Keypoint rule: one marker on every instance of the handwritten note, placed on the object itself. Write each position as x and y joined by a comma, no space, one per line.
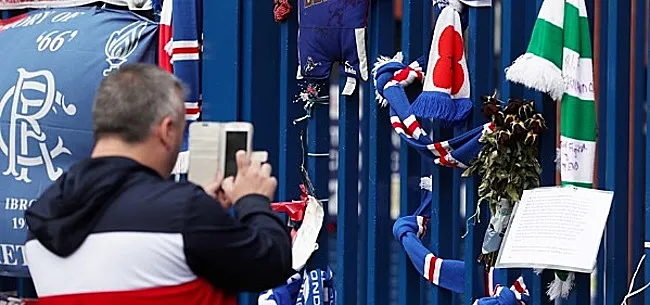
556,228
306,239
577,160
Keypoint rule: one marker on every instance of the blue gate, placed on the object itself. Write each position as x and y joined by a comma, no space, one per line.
353,156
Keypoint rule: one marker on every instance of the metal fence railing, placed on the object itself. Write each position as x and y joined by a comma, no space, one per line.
249,71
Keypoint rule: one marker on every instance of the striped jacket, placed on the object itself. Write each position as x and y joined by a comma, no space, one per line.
112,231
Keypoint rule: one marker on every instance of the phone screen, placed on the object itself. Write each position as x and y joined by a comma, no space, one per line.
235,140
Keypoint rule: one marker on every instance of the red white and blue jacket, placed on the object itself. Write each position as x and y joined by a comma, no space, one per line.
112,231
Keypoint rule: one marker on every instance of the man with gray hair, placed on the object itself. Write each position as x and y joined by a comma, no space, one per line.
114,229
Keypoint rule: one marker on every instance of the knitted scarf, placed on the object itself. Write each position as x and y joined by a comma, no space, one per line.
559,62
179,53
445,273
446,91
397,84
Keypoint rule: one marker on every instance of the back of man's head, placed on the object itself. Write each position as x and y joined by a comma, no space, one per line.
132,100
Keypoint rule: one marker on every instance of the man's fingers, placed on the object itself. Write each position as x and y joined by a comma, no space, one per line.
255,166
243,160
218,178
266,170
270,186
273,183
227,185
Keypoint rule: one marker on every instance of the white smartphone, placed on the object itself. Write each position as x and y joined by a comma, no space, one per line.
212,148
239,136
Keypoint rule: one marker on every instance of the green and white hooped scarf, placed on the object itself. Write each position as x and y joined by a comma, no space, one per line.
559,62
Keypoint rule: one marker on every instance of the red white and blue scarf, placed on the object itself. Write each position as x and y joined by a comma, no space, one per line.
447,273
179,53
396,85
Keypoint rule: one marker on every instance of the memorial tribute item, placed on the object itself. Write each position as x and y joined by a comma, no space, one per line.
398,85
507,164
446,91
56,61
445,273
559,62
556,228
314,286
31,4
332,31
179,52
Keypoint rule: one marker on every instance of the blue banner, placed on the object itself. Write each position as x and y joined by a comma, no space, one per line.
20,4
52,62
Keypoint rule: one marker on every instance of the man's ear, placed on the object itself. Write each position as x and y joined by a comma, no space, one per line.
166,128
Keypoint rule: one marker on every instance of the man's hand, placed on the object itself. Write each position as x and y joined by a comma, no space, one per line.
215,191
252,178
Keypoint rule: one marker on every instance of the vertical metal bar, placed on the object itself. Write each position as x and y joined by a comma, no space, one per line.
258,33
441,217
347,197
289,147
318,143
362,233
409,160
513,43
365,99
221,66
256,106
426,166
600,14
618,56
379,161
637,120
444,187
480,66
646,297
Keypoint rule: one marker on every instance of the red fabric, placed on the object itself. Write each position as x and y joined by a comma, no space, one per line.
4,22
164,60
432,268
448,72
295,210
189,110
187,50
197,292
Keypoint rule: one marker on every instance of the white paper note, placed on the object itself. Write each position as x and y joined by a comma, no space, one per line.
306,239
556,228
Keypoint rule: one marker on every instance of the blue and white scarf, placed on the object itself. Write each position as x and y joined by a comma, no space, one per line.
446,273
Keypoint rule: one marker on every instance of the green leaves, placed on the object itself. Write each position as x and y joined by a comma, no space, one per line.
508,161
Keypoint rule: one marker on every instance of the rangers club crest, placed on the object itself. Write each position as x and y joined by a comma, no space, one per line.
32,98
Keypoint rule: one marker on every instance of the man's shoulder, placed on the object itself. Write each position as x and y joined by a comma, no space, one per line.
155,206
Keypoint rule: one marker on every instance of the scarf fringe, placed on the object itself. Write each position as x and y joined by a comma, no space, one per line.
537,73
182,163
381,61
426,183
559,288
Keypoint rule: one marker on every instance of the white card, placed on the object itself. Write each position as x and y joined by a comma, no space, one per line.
556,228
